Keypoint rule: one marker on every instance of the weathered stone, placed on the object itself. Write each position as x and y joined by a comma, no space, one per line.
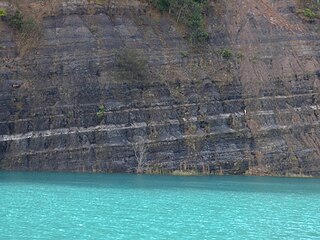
255,113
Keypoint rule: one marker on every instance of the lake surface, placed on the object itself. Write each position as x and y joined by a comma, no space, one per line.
119,206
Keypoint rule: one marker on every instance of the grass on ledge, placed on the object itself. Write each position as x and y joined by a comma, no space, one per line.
185,173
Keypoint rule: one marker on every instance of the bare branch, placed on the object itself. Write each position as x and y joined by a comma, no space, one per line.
140,150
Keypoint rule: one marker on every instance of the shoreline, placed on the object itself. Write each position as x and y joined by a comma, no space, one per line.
176,173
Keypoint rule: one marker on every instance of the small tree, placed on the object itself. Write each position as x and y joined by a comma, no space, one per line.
140,151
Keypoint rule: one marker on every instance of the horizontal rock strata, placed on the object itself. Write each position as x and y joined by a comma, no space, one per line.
67,105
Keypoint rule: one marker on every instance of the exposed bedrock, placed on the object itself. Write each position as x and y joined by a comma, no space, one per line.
68,104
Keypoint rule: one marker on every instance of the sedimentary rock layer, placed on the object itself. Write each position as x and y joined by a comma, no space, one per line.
66,105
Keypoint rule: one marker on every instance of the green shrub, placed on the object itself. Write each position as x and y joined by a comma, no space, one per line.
162,5
307,12
101,111
189,12
226,53
3,12
130,65
184,54
28,31
26,27
16,20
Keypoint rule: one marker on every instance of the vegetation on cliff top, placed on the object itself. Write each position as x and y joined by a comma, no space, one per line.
189,12
28,30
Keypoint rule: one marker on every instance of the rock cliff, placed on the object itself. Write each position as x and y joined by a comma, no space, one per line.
112,86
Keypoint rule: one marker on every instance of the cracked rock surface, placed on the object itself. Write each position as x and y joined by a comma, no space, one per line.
255,112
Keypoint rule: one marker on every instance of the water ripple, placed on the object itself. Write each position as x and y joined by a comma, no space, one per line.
84,206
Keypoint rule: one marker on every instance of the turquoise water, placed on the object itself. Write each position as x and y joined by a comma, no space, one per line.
88,206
